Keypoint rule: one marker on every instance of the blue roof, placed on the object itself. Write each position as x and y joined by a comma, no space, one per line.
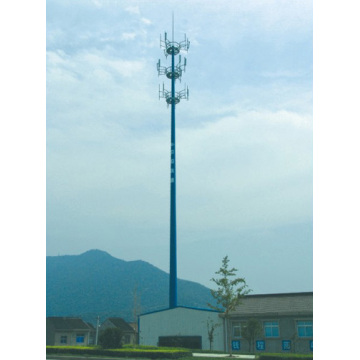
182,307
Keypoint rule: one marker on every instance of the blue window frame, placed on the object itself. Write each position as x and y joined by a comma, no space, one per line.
80,338
260,345
235,345
286,345
271,328
305,328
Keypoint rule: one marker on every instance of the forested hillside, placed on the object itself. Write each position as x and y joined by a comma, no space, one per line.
96,284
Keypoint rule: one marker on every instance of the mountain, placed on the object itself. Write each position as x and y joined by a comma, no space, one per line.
96,284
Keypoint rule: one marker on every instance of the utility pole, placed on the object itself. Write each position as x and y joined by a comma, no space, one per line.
97,330
174,72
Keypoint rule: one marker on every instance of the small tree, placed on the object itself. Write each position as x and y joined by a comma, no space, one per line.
111,338
229,293
210,329
249,331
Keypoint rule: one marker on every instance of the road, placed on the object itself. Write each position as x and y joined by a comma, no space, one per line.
74,357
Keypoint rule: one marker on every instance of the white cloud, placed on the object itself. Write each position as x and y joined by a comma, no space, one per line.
222,166
55,58
245,164
88,63
146,21
133,10
128,36
282,74
98,3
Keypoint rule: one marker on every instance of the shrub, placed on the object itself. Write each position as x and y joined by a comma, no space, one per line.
111,338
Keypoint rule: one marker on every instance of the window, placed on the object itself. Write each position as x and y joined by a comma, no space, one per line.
236,327
63,339
271,328
305,328
80,338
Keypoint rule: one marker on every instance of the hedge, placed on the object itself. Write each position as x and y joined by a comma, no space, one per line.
285,357
138,353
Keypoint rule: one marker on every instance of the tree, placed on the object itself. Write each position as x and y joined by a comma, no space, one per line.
111,338
210,329
249,331
228,295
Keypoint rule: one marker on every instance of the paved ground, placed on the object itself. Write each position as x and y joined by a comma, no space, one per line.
62,357
224,355
76,357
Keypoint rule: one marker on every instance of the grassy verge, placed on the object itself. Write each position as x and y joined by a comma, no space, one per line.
285,357
126,352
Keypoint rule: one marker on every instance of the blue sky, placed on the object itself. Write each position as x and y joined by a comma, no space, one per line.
244,138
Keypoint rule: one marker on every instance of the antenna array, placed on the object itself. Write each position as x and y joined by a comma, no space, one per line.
174,71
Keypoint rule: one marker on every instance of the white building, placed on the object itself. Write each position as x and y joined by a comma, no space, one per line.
183,327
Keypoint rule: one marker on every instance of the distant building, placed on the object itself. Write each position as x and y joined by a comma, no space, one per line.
68,331
129,333
286,325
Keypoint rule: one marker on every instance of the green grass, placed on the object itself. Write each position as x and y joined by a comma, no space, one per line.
72,347
153,352
124,348
148,352
153,348
288,356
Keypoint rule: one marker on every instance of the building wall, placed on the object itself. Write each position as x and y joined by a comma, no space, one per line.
287,332
181,322
50,335
71,338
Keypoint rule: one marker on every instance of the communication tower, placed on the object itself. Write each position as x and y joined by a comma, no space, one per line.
172,97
